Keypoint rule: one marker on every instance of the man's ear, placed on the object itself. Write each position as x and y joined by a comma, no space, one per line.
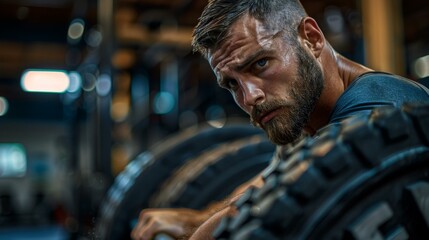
311,35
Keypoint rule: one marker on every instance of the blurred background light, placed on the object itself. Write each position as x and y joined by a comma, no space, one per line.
4,106
49,81
94,37
163,103
103,85
421,67
88,81
75,82
120,109
75,31
334,19
13,160
216,116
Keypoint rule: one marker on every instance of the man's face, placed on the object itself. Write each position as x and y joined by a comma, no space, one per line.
275,82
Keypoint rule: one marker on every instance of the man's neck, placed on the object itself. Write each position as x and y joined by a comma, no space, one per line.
349,70
339,73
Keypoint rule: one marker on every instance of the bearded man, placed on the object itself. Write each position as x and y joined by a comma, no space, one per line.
280,69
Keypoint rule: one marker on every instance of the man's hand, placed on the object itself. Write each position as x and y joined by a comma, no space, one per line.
177,223
181,223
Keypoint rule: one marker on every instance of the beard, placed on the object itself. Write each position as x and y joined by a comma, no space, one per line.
287,126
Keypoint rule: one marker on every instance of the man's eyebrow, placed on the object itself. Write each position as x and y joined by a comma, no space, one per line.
251,59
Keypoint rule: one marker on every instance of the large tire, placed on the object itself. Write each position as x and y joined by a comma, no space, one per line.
214,174
367,178
144,175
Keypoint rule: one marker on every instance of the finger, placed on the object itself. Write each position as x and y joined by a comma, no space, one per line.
146,231
140,227
138,230
144,217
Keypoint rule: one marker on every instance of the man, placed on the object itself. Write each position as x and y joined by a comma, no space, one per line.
280,69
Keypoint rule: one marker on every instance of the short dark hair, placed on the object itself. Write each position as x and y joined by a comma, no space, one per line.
219,15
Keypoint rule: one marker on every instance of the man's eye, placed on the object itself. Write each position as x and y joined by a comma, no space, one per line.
261,63
231,84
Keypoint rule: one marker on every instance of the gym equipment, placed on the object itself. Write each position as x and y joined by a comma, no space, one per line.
366,178
215,173
146,174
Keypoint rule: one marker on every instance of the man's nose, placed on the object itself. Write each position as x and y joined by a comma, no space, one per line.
253,94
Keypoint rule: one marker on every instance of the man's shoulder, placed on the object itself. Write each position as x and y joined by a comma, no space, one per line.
376,89
385,86
379,79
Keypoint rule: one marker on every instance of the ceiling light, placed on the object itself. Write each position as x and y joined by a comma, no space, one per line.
48,81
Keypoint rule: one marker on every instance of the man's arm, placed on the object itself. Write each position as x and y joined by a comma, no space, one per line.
182,223
206,229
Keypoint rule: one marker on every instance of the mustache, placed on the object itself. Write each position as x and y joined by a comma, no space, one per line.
259,110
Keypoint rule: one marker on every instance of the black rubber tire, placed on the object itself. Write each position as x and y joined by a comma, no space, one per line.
367,178
214,174
144,175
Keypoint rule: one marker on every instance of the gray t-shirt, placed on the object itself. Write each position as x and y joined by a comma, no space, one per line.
376,89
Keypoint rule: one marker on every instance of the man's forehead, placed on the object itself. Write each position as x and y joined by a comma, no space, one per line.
247,30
